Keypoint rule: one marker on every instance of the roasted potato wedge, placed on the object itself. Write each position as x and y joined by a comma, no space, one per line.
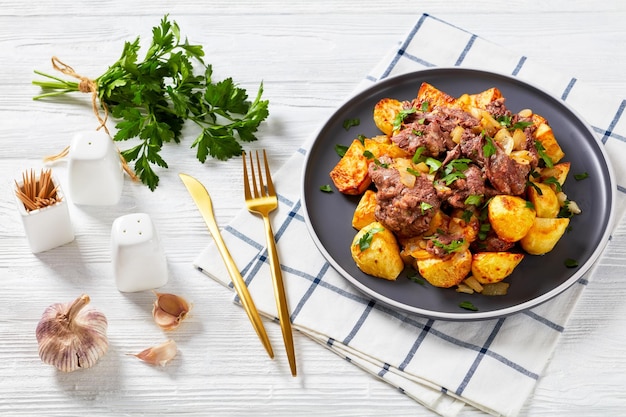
387,148
364,213
545,135
385,112
544,234
445,272
434,96
544,199
480,100
350,175
376,252
490,267
558,171
510,217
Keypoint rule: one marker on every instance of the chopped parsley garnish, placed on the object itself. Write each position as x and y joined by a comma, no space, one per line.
425,206
399,119
580,177
467,305
326,188
565,212
413,171
541,151
484,229
425,106
489,148
433,163
530,205
553,181
453,246
473,200
348,123
534,186
453,176
416,279
417,157
460,164
454,170
370,155
366,239
341,150
504,120
380,164
521,125
571,263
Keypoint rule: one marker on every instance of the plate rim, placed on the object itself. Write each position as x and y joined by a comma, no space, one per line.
463,316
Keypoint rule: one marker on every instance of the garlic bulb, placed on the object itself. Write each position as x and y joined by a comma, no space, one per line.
70,338
169,310
160,354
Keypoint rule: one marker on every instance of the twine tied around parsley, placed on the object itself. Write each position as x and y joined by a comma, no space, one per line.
87,85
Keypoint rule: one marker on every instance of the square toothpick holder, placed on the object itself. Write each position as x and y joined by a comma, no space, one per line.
48,227
137,256
95,171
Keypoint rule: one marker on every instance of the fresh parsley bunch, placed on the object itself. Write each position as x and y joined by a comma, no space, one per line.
154,97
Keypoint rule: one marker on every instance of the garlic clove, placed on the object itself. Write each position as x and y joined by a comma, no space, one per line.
169,310
160,354
71,338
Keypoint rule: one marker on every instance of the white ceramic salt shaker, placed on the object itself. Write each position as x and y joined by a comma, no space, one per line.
48,227
138,258
96,176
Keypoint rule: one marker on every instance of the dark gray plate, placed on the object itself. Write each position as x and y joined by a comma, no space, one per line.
537,278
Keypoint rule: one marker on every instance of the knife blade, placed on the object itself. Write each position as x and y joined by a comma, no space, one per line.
201,197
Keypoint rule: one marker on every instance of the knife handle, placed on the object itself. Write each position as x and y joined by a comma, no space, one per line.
243,293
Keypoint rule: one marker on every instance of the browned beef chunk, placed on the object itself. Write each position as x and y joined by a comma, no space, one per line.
492,243
472,184
432,130
497,108
407,211
506,175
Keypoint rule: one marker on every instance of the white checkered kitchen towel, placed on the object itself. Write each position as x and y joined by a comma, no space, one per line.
492,365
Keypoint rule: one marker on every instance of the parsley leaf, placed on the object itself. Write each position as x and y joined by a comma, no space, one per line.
400,116
326,188
541,151
467,305
366,240
341,150
348,123
581,176
489,148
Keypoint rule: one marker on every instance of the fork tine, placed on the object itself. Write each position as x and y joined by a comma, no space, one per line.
268,176
256,189
261,185
246,182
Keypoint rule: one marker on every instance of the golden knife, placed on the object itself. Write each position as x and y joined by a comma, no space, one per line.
201,197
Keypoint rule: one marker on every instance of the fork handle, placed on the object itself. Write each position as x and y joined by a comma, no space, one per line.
279,295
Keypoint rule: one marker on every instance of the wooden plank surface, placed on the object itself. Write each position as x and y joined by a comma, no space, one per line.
310,56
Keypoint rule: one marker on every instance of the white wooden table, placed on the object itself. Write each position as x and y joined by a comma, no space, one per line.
310,55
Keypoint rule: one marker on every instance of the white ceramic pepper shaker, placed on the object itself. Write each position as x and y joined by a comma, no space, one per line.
96,175
137,256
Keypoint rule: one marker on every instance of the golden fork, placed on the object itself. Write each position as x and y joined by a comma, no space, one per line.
262,200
